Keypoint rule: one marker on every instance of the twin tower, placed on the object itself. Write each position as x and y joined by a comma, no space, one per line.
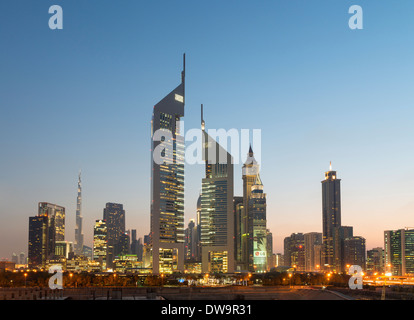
232,230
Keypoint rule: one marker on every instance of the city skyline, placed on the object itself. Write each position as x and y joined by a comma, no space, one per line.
364,122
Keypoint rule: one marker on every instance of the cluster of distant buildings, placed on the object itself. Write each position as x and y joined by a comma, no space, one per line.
229,233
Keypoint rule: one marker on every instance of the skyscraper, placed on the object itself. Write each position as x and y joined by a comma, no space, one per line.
355,252
331,214
269,249
167,182
238,207
375,260
399,251
114,216
190,240
294,251
249,172
78,229
312,254
100,240
257,227
37,241
217,217
340,234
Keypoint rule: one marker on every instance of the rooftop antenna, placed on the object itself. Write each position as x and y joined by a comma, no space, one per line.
203,124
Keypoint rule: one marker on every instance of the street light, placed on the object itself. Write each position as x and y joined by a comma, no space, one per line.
25,278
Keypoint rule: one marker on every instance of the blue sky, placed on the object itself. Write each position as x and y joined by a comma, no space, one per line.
82,97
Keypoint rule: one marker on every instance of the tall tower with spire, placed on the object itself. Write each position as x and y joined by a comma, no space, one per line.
331,216
78,246
167,182
217,216
250,171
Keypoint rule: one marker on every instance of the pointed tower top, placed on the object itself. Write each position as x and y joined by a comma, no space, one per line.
258,181
250,149
183,72
203,124
330,165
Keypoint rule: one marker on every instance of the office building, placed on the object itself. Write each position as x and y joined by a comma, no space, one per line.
354,252
100,240
217,217
250,170
114,216
78,245
375,260
313,240
294,251
257,228
399,251
167,182
331,215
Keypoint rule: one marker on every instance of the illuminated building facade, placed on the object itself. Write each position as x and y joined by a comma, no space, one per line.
37,241
294,251
78,247
114,216
100,240
312,242
217,217
167,182
375,260
331,215
355,252
250,170
340,234
257,228
238,208
45,230
399,251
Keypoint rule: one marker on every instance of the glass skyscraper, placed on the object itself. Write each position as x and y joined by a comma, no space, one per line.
217,217
100,240
167,182
257,212
399,251
114,216
331,215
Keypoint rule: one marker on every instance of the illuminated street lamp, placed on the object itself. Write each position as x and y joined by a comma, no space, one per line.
25,278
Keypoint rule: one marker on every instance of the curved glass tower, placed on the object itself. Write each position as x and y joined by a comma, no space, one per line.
167,182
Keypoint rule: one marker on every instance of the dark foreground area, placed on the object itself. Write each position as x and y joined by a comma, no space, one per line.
199,293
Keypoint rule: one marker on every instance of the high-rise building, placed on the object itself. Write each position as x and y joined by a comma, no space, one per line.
167,182
340,234
250,170
238,208
399,251
63,249
45,230
22,258
114,216
197,246
331,215
354,252
257,227
190,240
78,249
375,260
312,251
37,251
294,251
269,249
217,217
100,240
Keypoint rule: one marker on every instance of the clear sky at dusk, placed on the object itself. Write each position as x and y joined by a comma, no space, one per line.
82,98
